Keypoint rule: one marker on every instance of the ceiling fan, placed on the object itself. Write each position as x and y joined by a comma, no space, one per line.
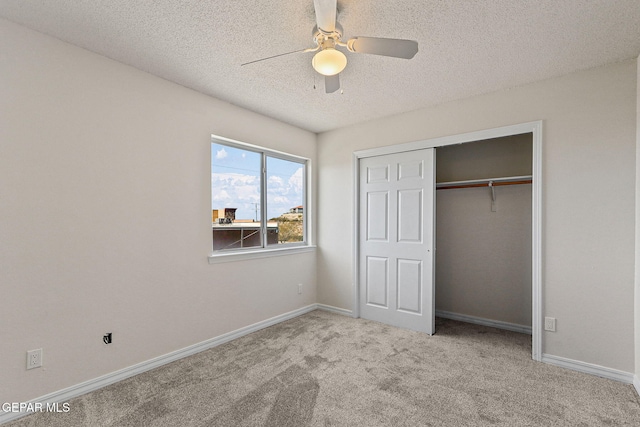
327,35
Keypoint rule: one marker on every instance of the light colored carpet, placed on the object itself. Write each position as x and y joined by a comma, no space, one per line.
323,369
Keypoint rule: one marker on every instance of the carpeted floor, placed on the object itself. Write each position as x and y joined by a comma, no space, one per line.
323,369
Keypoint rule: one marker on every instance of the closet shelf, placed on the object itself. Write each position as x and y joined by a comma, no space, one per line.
488,182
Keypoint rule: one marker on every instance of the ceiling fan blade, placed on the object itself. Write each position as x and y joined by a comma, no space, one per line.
326,14
398,48
281,54
331,83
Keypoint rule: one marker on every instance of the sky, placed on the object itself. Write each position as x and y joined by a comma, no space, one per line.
235,182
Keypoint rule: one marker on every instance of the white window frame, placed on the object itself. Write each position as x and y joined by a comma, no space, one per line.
266,250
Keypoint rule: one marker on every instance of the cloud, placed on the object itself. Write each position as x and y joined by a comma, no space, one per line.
235,190
242,191
234,178
284,193
220,196
275,181
296,181
276,186
280,200
221,154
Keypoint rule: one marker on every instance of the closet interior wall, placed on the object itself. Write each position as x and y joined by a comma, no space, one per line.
483,256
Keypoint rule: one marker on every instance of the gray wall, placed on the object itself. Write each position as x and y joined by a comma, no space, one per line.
483,258
490,158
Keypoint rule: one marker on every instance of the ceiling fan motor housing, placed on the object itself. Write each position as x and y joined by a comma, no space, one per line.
320,37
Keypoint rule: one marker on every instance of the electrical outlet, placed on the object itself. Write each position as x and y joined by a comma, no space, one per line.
550,324
34,358
299,288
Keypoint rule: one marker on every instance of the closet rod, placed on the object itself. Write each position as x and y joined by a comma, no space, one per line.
510,180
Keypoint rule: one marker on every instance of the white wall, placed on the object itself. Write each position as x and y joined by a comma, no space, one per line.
105,211
589,141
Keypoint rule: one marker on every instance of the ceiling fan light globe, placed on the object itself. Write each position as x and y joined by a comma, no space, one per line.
329,62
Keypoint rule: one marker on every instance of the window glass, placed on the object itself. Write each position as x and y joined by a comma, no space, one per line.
238,198
285,201
235,197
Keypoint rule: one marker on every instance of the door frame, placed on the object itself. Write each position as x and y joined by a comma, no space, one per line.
535,128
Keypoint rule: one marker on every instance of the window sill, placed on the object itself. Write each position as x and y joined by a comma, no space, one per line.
259,253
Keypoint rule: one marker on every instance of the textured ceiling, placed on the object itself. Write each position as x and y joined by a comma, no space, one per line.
466,47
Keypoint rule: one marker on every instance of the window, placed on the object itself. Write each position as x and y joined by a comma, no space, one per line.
258,198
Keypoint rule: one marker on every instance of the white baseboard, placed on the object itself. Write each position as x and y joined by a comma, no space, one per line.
69,393
336,310
636,383
484,322
589,368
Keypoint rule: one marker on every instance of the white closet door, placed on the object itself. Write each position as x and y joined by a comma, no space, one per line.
396,239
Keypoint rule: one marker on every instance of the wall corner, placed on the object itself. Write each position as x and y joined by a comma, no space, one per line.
636,301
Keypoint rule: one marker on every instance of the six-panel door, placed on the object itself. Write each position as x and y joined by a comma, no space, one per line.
396,239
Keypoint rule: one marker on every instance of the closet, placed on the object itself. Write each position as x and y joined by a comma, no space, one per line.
483,232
